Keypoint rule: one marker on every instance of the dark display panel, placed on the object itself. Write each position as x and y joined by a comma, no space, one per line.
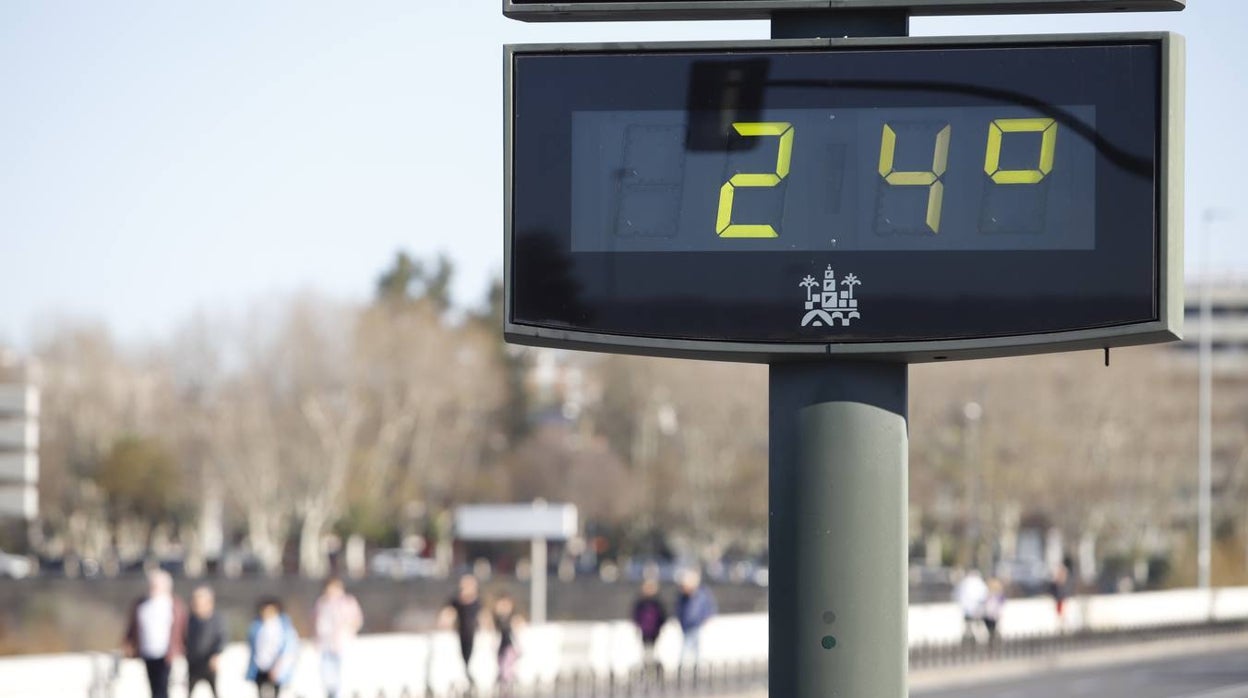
612,236
964,178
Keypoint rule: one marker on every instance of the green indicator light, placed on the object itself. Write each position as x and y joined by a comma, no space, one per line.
828,642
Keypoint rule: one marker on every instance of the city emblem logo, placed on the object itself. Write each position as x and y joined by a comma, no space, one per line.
825,307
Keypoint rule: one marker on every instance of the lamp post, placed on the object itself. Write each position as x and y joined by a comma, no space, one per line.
973,412
1204,535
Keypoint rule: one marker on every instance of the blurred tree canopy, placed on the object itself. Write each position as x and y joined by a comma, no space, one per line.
305,418
139,478
409,280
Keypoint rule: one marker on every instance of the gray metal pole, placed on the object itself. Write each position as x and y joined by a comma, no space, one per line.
1204,496
803,24
972,411
839,495
537,582
838,510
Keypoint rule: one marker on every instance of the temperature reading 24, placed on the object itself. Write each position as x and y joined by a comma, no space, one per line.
1043,130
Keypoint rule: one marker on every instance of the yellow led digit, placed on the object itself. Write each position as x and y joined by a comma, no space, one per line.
724,227
940,162
1048,146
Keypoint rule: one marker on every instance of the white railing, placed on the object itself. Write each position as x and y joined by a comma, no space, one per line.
390,663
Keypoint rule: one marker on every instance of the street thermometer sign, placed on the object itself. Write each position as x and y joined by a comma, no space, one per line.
901,199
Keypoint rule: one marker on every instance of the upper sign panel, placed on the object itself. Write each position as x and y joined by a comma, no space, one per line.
590,10
501,522
908,198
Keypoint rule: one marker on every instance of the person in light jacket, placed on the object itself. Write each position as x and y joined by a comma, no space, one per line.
694,606
274,646
337,620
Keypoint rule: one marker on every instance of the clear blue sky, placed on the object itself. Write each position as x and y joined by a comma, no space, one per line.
160,157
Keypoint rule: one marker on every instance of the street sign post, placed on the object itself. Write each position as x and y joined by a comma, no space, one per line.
538,523
838,209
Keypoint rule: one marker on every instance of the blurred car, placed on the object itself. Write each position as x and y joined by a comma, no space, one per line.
662,571
1027,575
738,571
930,583
240,562
15,566
139,566
399,563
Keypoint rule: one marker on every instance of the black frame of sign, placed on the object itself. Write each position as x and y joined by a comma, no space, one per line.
631,10
1127,291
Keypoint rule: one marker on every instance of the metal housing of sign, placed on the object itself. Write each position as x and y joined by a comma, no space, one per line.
605,10
911,199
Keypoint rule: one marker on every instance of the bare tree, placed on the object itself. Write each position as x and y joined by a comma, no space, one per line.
695,436
94,394
433,389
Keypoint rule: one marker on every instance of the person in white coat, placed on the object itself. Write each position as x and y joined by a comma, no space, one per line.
971,595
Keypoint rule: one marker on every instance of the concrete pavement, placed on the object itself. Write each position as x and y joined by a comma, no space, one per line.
1215,667
1201,670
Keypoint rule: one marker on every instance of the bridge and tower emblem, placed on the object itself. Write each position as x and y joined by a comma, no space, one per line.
827,305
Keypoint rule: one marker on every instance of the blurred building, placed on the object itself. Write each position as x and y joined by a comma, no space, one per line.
558,382
1229,325
19,439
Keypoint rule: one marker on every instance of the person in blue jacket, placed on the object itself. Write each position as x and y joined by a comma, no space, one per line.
694,607
274,646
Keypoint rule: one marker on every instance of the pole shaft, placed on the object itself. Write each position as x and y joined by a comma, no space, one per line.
838,493
537,586
838,530
1205,474
809,24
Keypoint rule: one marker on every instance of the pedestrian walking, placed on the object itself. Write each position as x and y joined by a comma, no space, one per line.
649,615
1059,589
971,594
337,620
506,623
205,640
463,613
156,631
994,606
695,605
274,646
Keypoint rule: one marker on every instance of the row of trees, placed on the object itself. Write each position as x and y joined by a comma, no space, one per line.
309,416
1106,456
